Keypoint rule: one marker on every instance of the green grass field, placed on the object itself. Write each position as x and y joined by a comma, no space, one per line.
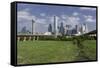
33,52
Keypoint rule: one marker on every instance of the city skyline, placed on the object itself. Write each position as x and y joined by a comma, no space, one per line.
43,16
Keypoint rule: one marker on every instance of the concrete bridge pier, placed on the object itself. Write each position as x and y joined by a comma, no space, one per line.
18,38
33,38
24,39
30,38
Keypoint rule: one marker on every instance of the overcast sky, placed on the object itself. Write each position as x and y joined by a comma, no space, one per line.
43,15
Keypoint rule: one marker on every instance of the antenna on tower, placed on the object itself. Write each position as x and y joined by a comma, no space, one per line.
33,27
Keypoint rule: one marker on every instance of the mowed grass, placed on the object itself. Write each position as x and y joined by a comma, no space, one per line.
33,52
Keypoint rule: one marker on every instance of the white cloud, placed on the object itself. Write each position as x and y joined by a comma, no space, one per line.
89,18
24,18
42,14
91,22
87,8
75,13
41,21
64,16
71,20
25,15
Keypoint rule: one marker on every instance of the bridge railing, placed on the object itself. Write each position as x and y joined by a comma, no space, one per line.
47,37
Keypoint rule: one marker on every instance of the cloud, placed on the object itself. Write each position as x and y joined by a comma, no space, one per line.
87,8
90,21
42,14
70,20
73,20
75,13
41,21
89,18
25,15
24,18
64,16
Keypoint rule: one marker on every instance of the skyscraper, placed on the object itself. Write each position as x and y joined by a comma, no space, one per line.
55,26
84,28
50,28
61,29
76,29
67,29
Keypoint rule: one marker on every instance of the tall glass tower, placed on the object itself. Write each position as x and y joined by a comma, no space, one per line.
55,26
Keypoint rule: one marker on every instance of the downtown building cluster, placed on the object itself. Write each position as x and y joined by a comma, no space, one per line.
65,29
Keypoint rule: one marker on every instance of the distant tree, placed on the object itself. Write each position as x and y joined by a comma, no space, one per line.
50,28
29,32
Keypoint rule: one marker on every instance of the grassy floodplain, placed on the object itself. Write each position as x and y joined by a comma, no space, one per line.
33,52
